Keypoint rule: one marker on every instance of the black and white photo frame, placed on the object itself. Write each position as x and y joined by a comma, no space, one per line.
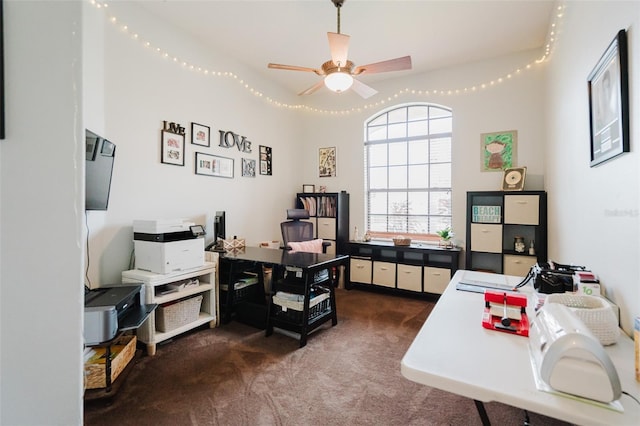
266,160
200,135
172,148
248,167
608,86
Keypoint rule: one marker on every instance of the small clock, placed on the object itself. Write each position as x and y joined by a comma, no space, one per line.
513,179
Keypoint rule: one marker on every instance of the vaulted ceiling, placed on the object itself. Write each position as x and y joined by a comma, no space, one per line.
435,33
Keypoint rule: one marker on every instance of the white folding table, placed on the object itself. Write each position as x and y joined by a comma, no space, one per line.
454,353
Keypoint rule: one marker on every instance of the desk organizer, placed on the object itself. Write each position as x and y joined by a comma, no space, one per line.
176,314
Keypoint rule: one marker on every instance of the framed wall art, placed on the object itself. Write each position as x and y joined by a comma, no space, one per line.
498,150
308,188
513,179
608,86
213,165
248,167
327,162
265,160
200,135
172,148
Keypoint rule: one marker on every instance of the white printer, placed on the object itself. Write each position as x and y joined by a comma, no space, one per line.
169,245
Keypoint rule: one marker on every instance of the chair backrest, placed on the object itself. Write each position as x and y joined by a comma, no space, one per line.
296,229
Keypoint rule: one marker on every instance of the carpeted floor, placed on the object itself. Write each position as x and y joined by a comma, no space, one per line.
347,374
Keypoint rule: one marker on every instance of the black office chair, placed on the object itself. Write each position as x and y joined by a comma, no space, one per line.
296,230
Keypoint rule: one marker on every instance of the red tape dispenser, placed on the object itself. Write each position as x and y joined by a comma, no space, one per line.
505,312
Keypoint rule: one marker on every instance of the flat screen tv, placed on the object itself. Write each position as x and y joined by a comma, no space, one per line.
100,154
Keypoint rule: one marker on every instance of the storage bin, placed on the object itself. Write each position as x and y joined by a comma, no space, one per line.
176,314
292,310
122,351
243,290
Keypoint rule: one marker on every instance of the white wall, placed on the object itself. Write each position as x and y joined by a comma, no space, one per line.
130,90
41,177
127,102
594,215
516,103
140,80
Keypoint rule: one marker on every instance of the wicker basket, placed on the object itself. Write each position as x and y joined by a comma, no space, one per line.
594,311
401,241
122,352
176,314
292,310
242,291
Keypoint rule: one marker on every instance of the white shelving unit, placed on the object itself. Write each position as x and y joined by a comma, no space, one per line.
207,287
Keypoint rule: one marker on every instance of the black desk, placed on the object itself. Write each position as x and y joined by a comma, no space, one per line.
283,279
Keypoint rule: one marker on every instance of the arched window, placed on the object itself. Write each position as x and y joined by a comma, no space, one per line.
408,171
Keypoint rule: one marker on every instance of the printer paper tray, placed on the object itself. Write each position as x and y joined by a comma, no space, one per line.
136,316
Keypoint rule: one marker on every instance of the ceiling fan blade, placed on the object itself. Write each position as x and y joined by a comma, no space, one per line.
312,89
362,89
294,68
397,64
339,47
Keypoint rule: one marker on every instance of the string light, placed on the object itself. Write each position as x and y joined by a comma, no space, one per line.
550,42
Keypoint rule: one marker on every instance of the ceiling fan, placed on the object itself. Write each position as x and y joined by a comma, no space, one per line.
339,71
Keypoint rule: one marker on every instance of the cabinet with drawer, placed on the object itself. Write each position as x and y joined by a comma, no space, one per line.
496,221
329,213
416,269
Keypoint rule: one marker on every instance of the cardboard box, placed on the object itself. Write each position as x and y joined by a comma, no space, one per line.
122,351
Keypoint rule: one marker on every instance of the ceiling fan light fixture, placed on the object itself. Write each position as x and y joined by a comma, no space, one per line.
338,81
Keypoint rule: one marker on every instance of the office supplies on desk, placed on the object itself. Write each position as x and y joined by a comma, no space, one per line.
506,312
478,282
597,313
566,357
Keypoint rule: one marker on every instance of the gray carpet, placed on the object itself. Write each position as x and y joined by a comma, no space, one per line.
347,374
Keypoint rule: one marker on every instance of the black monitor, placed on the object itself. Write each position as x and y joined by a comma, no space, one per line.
219,230
100,154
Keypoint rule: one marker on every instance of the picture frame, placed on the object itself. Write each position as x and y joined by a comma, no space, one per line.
266,157
213,165
327,162
498,150
200,134
172,148
608,87
248,167
513,178
308,188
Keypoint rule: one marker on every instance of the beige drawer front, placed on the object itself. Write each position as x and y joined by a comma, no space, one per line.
436,279
518,265
410,277
384,273
332,248
521,209
360,270
326,228
485,237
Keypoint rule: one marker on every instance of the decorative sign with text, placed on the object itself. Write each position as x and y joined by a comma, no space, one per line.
486,214
228,139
